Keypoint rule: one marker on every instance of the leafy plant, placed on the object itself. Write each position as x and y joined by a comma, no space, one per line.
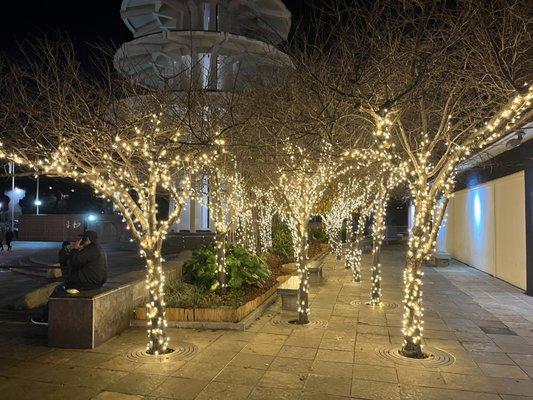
318,234
282,245
245,268
201,269
242,267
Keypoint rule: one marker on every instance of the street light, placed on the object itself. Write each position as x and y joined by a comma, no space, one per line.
91,218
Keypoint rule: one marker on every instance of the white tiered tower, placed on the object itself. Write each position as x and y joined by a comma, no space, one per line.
214,45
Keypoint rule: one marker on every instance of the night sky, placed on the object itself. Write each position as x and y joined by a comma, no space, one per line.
85,22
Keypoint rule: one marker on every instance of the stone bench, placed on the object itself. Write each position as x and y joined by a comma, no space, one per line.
315,267
441,259
90,318
366,245
289,293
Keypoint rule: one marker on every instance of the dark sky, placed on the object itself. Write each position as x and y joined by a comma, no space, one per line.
84,21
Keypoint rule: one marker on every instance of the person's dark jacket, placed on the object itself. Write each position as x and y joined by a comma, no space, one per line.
88,267
63,257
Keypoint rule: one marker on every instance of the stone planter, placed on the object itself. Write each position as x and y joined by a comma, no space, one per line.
221,314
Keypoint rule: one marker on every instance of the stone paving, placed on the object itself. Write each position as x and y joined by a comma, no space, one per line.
486,324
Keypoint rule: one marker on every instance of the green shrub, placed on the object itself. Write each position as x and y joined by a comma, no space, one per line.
201,269
318,234
186,295
181,294
282,245
242,267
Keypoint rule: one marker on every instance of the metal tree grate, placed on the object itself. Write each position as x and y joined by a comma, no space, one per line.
180,351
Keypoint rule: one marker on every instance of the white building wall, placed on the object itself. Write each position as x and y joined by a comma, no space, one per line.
485,228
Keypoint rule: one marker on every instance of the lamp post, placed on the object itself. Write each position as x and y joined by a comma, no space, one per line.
37,201
12,201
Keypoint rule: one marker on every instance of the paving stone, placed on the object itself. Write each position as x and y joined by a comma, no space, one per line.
306,395
420,377
268,349
491,358
285,379
428,393
502,371
240,375
303,341
371,390
179,388
249,360
335,385
72,392
116,396
335,355
375,373
197,370
467,313
136,383
224,391
291,364
330,368
270,393
19,389
305,353
337,344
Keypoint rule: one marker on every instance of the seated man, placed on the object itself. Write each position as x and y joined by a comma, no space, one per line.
88,264
88,269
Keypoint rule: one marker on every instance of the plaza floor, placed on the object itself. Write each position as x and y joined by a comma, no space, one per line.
480,326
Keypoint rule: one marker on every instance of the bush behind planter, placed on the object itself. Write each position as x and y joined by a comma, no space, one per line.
282,245
242,267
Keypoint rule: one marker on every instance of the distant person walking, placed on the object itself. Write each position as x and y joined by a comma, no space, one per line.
2,237
9,238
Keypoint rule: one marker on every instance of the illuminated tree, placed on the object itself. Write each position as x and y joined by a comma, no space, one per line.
334,220
266,208
358,193
300,182
436,81
129,145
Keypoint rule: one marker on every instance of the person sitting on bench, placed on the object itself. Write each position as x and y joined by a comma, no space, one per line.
88,269
88,264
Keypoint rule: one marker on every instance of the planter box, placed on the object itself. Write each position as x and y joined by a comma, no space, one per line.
215,314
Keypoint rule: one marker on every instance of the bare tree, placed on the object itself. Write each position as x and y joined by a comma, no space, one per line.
131,145
436,81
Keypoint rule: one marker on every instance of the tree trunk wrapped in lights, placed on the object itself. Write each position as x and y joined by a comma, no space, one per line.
333,222
349,240
225,204
299,231
266,209
355,252
378,234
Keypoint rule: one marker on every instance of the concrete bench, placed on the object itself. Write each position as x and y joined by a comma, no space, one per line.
315,267
441,259
90,318
289,293
366,245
